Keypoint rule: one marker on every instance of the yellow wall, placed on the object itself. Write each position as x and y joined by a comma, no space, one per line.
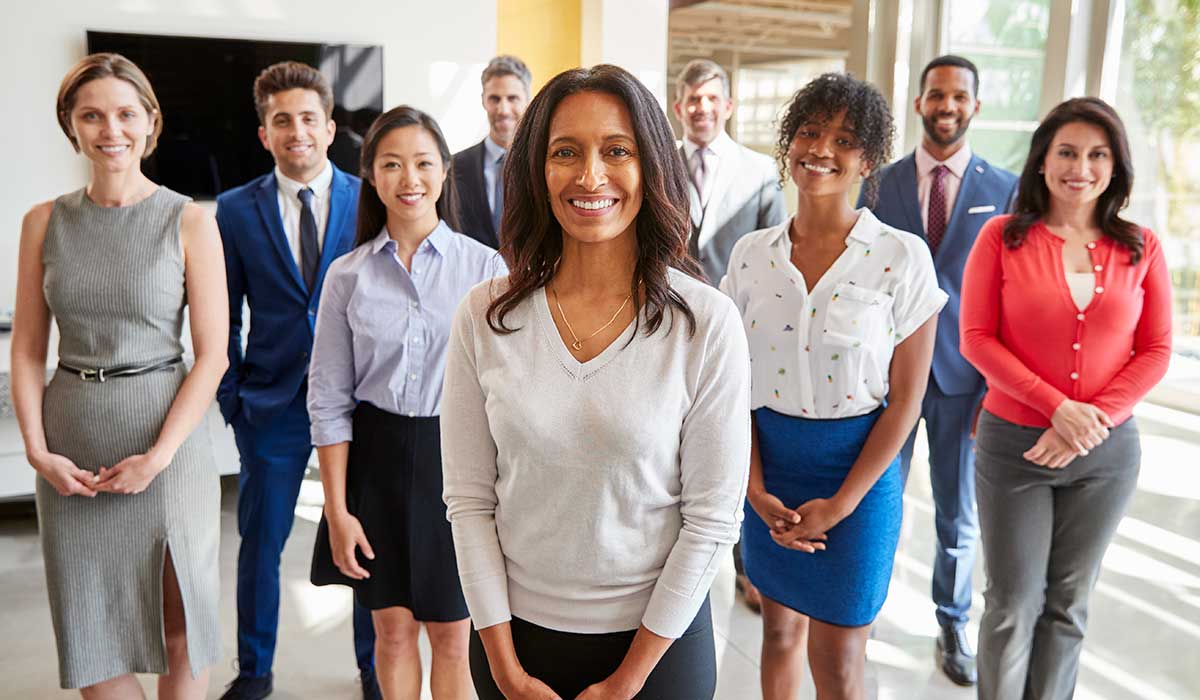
546,34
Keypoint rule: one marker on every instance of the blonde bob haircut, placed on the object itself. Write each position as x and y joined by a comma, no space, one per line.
107,65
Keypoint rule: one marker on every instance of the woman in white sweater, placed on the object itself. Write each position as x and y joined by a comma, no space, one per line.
595,437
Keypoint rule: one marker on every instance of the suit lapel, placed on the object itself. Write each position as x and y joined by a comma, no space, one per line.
337,228
481,187
727,169
962,202
906,183
267,199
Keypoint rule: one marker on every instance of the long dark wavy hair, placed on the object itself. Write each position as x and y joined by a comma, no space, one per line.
531,238
1033,197
868,117
372,214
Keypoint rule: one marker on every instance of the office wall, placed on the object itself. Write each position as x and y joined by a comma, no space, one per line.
433,53
543,33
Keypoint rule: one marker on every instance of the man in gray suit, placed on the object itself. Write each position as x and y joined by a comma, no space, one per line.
734,190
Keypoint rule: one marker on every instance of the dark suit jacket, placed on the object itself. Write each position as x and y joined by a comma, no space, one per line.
259,267
474,214
986,191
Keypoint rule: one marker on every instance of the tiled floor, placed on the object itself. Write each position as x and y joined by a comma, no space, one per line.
1143,642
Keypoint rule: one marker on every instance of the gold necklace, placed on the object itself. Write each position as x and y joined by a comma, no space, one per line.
577,345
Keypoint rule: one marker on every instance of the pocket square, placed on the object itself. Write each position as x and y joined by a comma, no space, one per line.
982,209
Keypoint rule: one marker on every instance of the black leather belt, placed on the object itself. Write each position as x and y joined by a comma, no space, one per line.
100,374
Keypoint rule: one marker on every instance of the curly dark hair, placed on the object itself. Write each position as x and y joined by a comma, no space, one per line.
1033,197
531,238
868,117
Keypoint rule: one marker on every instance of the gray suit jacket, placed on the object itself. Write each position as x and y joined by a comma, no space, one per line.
745,197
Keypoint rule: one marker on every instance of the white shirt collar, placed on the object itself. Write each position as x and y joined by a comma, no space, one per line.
319,184
957,163
719,146
864,231
493,149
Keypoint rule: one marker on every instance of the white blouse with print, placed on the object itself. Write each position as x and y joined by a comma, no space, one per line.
827,354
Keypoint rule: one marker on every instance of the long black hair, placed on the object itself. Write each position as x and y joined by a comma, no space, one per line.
372,214
1033,197
531,238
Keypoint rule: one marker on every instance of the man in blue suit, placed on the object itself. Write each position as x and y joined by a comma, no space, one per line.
280,232
945,193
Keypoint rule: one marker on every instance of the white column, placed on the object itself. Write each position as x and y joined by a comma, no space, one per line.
631,34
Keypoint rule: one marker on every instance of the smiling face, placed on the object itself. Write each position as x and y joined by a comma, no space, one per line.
703,110
947,104
408,173
505,99
110,124
297,133
825,159
1079,164
593,171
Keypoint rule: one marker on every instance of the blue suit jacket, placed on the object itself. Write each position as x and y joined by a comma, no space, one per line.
259,267
983,186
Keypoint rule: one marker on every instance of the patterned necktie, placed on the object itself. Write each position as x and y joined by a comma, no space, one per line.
699,172
310,254
498,196
935,229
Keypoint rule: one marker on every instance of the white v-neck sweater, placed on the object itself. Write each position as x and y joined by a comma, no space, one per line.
593,497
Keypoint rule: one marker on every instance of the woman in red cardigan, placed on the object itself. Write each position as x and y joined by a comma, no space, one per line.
1066,311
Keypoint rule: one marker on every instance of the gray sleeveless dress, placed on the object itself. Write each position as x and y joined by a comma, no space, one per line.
115,284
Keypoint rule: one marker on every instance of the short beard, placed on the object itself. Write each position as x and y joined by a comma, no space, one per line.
930,125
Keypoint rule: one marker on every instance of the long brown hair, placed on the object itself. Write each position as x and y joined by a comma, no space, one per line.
372,214
531,238
1033,197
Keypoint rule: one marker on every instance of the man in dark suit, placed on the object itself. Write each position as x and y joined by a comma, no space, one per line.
945,193
734,190
280,232
478,170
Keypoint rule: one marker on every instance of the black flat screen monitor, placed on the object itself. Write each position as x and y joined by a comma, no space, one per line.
205,87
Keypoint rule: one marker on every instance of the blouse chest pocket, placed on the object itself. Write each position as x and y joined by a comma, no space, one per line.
856,316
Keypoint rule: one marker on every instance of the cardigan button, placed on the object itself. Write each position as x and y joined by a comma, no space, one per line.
1098,268
1099,290
1092,245
1074,346
1078,317
1074,375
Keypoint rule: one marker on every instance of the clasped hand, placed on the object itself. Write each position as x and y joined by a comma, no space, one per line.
803,528
1051,451
1081,426
130,476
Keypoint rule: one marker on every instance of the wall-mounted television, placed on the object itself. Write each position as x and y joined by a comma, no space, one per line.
209,142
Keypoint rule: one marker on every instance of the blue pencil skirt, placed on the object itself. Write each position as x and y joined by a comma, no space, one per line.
805,459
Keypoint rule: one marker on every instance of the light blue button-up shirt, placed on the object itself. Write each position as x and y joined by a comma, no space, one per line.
382,330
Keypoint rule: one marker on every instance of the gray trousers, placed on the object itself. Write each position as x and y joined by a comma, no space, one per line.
1044,533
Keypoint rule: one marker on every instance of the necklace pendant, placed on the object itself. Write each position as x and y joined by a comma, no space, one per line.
577,345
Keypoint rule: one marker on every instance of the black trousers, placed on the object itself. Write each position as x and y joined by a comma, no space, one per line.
570,662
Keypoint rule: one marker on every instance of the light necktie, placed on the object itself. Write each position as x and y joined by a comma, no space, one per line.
310,253
699,172
935,229
498,196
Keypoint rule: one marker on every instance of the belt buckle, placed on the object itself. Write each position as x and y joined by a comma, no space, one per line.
92,375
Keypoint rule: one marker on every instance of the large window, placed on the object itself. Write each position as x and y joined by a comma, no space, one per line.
1006,39
1158,97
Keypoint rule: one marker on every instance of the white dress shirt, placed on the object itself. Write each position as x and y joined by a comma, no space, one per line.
718,149
289,206
491,153
828,354
956,164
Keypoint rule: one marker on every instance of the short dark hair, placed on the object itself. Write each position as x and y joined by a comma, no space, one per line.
372,214
289,75
868,117
531,238
1033,197
508,65
952,61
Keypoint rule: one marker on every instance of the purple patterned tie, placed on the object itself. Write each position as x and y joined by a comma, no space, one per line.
936,228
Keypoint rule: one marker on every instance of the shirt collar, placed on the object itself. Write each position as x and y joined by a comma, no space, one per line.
957,163
440,240
319,184
718,147
493,150
864,231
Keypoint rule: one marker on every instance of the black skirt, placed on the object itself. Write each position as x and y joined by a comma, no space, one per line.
394,488
569,662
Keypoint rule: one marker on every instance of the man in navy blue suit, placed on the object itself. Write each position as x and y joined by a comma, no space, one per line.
945,193
280,232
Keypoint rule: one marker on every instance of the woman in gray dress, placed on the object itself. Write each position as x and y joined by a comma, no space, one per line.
128,496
